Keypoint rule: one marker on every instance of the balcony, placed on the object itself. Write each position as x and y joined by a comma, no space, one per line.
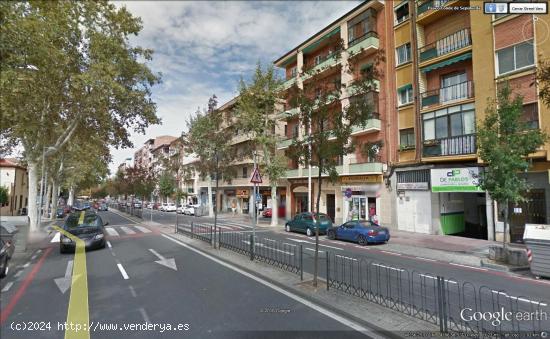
430,10
366,167
354,89
324,64
239,138
373,125
288,113
450,94
288,83
284,144
458,145
426,5
293,173
453,42
367,43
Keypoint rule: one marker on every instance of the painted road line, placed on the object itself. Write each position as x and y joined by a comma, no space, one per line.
7,287
392,253
344,257
343,320
123,271
127,230
470,267
313,250
435,278
271,248
312,243
18,274
132,291
112,231
143,229
427,259
389,267
6,311
78,312
520,299
56,237
34,256
109,244
362,247
144,315
27,265
287,244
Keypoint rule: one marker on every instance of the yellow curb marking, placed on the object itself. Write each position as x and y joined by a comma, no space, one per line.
78,317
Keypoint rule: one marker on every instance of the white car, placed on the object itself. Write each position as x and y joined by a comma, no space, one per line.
180,209
190,209
163,206
170,207
150,205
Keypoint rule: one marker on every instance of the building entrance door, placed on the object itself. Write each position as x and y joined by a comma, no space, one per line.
331,206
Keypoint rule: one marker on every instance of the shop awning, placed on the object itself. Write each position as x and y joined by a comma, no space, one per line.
447,62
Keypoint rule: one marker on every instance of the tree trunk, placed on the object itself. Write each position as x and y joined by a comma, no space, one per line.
316,266
33,183
274,206
55,197
505,230
70,201
210,202
47,203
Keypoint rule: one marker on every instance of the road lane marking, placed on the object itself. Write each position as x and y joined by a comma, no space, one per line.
111,231
26,265
144,315
427,259
127,230
435,278
313,250
344,257
392,253
143,229
470,267
109,244
18,274
34,256
259,244
123,271
520,299
389,267
56,237
7,287
315,307
78,312
132,291
4,313
312,243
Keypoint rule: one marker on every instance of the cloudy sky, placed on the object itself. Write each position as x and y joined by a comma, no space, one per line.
204,47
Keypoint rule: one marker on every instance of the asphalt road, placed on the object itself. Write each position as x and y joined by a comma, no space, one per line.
143,277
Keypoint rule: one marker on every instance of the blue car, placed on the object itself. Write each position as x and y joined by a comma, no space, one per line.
362,232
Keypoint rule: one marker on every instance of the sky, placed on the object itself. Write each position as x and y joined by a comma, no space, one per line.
204,47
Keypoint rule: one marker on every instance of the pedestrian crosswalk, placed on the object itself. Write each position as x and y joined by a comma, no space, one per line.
115,231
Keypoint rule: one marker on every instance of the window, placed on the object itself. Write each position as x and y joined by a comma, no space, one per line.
401,12
295,131
530,115
245,172
405,95
293,71
403,53
449,122
406,138
317,60
515,57
286,130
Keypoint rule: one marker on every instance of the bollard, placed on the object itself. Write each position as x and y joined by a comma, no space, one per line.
301,263
192,233
328,270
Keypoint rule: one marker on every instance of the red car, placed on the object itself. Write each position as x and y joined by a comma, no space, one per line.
268,212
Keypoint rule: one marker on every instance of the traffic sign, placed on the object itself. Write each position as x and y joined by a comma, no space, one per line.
256,176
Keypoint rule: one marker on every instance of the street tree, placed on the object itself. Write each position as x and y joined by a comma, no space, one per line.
255,115
543,79
208,140
505,141
67,68
327,126
4,195
167,185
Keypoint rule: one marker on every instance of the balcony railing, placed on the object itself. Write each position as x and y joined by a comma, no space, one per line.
458,145
284,143
426,5
325,62
446,45
440,96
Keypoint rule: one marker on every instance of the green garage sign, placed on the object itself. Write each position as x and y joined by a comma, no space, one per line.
464,179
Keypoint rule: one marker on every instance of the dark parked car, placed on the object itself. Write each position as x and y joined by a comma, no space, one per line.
60,213
87,226
361,231
304,222
7,246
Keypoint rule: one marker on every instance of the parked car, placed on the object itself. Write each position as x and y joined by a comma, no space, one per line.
362,232
267,213
7,247
60,213
162,207
304,222
150,205
170,207
179,209
156,206
91,230
137,204
190,209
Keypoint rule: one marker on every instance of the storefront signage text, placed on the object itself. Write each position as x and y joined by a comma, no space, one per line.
362,179
455,179
242,193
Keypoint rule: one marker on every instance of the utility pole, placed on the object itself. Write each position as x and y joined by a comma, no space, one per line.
255,206
309,168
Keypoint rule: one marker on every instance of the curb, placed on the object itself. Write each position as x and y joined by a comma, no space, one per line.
502,268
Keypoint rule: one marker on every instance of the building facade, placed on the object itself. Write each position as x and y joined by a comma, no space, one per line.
14,178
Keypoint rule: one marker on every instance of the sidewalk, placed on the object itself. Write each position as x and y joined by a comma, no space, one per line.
25,241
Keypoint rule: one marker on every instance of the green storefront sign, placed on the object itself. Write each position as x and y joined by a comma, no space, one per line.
455,179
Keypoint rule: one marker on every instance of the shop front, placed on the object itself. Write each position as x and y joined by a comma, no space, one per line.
361,197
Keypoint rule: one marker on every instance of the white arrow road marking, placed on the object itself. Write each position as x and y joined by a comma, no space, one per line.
312,243
143,229
170,262
56,237
127,230
65,282
111,231
122,271
7,287
264,246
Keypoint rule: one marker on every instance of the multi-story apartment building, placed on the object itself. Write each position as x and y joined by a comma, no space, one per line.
236,192
150,154
359,37
14,178
448,64
440,69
